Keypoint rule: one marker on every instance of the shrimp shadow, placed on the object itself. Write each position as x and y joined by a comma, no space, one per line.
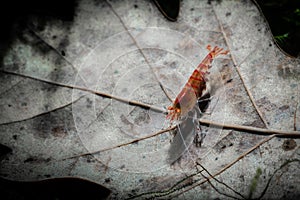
187,131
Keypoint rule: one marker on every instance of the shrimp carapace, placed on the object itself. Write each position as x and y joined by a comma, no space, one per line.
195,86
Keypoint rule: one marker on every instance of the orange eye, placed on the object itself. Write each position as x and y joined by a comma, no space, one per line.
178,110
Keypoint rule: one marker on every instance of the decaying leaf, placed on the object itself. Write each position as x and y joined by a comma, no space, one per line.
88,98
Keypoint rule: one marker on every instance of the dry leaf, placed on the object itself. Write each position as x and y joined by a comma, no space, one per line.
50,112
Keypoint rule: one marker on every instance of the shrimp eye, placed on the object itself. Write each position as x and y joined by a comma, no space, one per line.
178,110
170,108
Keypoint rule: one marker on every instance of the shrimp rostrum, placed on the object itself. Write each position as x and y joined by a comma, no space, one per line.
195,86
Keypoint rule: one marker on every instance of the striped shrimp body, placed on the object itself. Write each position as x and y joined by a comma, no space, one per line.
195,86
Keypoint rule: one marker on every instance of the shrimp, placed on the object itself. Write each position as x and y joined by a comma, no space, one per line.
195,86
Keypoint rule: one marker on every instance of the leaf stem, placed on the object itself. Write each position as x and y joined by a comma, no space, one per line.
124,144
239,72
260,131
102,94
228,165
140,50
278,133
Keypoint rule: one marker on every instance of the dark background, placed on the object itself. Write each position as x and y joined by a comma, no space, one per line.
283,17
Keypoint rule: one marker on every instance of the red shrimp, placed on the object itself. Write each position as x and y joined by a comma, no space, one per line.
195,86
